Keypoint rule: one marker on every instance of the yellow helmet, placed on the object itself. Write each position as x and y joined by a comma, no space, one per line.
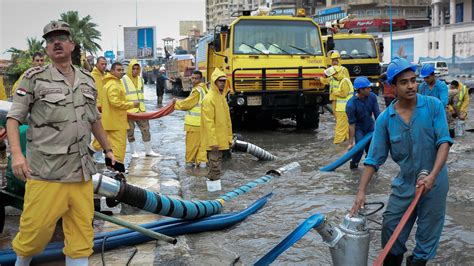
335,55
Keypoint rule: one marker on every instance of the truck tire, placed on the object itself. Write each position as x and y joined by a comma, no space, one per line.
308,119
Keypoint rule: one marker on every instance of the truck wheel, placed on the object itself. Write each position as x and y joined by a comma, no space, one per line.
308,119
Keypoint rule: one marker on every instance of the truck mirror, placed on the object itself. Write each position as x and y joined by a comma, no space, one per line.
381,47
217,43
331,43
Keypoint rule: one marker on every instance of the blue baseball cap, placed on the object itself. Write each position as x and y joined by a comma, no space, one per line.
361,83
397,66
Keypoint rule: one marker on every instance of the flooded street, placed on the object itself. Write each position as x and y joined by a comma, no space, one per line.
300,196
295,198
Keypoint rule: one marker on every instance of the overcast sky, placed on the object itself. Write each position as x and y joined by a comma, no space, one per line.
20,19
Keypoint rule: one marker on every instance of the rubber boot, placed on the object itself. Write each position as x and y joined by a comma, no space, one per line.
23,261
84,261
393,260
412,262
160,101
149,151
133,150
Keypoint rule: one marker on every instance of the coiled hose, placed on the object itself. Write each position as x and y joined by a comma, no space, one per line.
252,149
153,202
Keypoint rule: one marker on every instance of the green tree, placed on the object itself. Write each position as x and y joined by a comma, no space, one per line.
83,31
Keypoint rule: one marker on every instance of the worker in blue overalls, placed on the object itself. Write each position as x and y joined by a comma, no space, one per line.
414,129
431,86
359,110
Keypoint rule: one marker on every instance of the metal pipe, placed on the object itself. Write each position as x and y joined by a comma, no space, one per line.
137,228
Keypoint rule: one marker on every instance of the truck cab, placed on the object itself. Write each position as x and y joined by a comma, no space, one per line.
359,54
272,63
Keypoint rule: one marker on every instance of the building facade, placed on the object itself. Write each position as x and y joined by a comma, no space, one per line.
220,12
451,11
374,15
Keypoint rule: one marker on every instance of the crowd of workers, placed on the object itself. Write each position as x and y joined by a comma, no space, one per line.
58,102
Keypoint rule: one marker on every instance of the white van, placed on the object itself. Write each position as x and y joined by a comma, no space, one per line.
441,67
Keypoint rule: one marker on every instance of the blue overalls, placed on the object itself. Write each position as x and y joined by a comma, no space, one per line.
413,147
359,112
439,90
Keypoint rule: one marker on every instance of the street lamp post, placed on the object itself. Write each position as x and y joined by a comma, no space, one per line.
391,46
116,54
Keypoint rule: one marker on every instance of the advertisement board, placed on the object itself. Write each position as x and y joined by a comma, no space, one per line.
139,42
403,48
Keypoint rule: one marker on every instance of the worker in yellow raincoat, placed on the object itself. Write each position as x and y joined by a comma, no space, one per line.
216,126
341,91
336,61
3,146
195,156
134,92
98,73
114,114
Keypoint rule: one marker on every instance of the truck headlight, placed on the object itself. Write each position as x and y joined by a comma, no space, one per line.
240,101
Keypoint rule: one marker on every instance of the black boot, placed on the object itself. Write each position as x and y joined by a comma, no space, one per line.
393,260
353,165
411,261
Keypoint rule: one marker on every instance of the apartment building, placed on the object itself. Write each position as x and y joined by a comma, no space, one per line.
220,12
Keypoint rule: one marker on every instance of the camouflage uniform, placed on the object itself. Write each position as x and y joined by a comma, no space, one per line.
59,123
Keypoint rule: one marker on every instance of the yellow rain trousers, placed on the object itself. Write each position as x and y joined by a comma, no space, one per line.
118,142
45,203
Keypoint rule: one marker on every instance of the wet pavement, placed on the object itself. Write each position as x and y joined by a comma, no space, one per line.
296,197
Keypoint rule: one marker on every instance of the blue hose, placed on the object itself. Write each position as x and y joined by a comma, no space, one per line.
171,227
310,223
346,157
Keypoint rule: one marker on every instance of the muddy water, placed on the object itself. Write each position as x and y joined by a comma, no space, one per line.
295,197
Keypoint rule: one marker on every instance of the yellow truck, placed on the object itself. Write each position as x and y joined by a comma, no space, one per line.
272,63
359,54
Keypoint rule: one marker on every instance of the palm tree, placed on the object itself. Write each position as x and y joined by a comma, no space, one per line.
34,45
83,31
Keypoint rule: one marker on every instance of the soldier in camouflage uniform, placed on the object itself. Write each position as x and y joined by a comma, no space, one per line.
61,102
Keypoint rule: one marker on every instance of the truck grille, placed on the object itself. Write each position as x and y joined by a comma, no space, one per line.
363,69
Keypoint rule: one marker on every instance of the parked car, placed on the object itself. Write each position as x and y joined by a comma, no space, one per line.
441,67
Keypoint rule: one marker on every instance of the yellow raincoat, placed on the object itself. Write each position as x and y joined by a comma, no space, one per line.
341,94
134,87
194,154
216,126
3,95
99,83
114,115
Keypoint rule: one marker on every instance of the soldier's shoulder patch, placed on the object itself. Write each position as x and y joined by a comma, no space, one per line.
21,92
87,73
33,71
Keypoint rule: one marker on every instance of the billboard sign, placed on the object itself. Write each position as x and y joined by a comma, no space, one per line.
139,42
403,48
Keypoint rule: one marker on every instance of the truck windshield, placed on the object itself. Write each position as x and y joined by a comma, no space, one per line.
355,48
276,37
